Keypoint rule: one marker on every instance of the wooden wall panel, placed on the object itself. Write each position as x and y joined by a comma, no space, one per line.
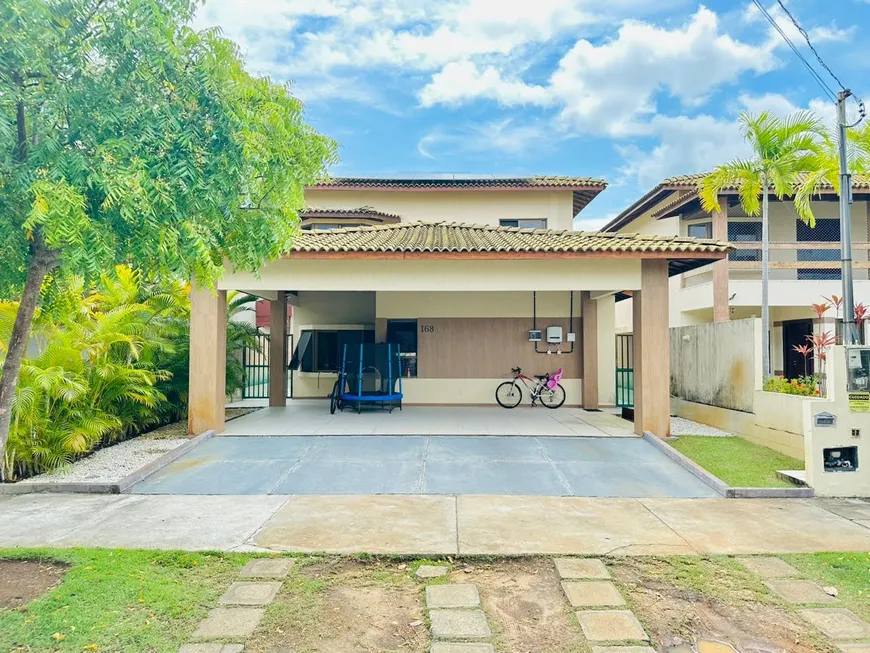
487,348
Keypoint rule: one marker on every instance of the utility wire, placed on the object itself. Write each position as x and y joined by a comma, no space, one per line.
821,82
806,36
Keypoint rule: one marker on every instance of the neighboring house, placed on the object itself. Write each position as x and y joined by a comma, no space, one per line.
457,271
804,261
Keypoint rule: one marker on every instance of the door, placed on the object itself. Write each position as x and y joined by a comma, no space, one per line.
794,333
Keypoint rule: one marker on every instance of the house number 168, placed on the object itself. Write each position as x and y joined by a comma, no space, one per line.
427,328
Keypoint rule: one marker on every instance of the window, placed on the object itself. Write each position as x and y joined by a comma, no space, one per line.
827,230
322,351
323,226
745,232
702,230
524,223
404,333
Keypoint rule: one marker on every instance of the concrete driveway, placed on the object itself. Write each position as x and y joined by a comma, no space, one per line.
433,465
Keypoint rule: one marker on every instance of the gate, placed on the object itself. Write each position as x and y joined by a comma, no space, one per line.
625,370
255,362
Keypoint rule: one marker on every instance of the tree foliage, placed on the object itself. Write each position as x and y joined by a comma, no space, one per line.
104,366
783,151
128,137
143,141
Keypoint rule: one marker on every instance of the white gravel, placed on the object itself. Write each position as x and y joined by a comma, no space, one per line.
680,426
111,464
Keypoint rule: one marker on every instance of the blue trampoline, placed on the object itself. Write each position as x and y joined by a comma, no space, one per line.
370,376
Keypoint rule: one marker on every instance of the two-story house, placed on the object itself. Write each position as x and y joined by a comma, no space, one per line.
466,274
804,262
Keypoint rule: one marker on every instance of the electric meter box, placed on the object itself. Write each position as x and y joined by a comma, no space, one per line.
535,335
858,378
554,335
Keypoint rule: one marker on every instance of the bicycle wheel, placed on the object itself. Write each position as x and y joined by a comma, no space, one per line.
553,398
508,395
333,398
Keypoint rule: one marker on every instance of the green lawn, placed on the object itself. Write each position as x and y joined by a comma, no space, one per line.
736,461
120,601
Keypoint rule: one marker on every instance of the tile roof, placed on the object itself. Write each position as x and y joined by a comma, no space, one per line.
456,237
859,182
361,212
423,181
690,183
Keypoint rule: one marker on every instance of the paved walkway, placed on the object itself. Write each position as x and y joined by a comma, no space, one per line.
311,417
444,525
422,464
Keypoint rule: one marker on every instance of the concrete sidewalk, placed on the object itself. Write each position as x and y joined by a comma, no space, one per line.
437,525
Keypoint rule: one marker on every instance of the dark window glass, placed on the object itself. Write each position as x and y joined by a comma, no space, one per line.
704,230
326,348
404,333
826,230
745,232
524,224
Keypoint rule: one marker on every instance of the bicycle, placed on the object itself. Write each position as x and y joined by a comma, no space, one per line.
544,387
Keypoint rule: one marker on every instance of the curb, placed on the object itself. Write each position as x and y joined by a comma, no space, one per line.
721,486
108,488
688,464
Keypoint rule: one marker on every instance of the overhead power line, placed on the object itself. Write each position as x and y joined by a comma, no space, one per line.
806,36
828,91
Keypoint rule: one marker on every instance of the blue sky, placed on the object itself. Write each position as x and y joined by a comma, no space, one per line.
632,91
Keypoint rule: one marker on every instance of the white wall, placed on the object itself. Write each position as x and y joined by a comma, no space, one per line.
479,207
600,274
474,304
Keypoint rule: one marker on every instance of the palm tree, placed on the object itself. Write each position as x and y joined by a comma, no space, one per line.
783,151
825,170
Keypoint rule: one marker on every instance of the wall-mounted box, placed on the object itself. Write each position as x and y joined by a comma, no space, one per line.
554,335
825,419
535,335
840,459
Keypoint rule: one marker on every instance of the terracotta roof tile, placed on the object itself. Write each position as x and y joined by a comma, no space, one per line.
460,181
456,237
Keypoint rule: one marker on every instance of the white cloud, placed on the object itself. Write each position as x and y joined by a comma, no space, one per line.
607,88
496,136
461,81
816,34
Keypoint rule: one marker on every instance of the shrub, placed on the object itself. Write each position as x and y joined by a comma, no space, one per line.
105,365
804,386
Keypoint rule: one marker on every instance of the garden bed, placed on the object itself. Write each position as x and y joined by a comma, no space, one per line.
117,461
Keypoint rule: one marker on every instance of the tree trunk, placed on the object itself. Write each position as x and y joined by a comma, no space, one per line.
42,261
765,258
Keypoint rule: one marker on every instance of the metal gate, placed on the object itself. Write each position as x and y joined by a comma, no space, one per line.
255,362
625,370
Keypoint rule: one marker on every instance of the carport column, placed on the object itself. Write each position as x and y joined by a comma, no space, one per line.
208,360
652,351
721,310
589,315
278,350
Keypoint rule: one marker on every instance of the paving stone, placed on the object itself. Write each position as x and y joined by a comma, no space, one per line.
592,594
212,648
610,625
452,596
459,624
800,591
267,568
581,568
623,649
855,648
768,567
230,622
431,571
241,593
465,647
837,623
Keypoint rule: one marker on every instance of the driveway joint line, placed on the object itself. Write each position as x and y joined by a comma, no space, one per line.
424,460
564,482
296,464
250,538
667,525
